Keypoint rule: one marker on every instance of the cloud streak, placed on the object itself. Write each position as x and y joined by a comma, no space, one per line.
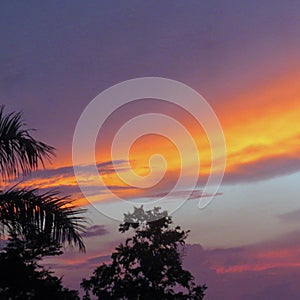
266,270
95,230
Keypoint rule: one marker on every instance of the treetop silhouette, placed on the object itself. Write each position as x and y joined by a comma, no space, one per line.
148,265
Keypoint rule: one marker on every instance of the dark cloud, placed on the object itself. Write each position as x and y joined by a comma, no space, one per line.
75,191
51,179
195,194
88,265
68,171
293,216
95,230
97,260
268,270
262,169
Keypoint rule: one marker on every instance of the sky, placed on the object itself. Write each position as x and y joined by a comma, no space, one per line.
241,56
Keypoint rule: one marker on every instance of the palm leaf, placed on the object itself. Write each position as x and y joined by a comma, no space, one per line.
27,212
19,151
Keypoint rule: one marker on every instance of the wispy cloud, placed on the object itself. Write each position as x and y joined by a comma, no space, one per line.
95,230
194,194
266,270
262,169
293,216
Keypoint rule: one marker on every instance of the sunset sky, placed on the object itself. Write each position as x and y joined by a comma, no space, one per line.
241,56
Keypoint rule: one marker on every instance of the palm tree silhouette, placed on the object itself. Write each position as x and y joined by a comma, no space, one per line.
43,217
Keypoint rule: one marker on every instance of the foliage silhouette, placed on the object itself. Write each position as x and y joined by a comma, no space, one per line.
37,223
19,151
43,217
148,266
27,211
21,278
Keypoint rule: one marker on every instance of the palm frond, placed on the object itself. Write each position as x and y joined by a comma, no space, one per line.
19,151
28,212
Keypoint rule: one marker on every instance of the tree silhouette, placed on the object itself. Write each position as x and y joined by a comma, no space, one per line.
41,217
27,211
37,223
149,265
20,153
21,278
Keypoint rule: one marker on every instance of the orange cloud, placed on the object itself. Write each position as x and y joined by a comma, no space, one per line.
260,126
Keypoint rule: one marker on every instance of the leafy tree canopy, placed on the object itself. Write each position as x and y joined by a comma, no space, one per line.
21,278
148,265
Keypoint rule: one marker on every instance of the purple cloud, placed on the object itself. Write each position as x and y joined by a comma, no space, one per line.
95,230
263,169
